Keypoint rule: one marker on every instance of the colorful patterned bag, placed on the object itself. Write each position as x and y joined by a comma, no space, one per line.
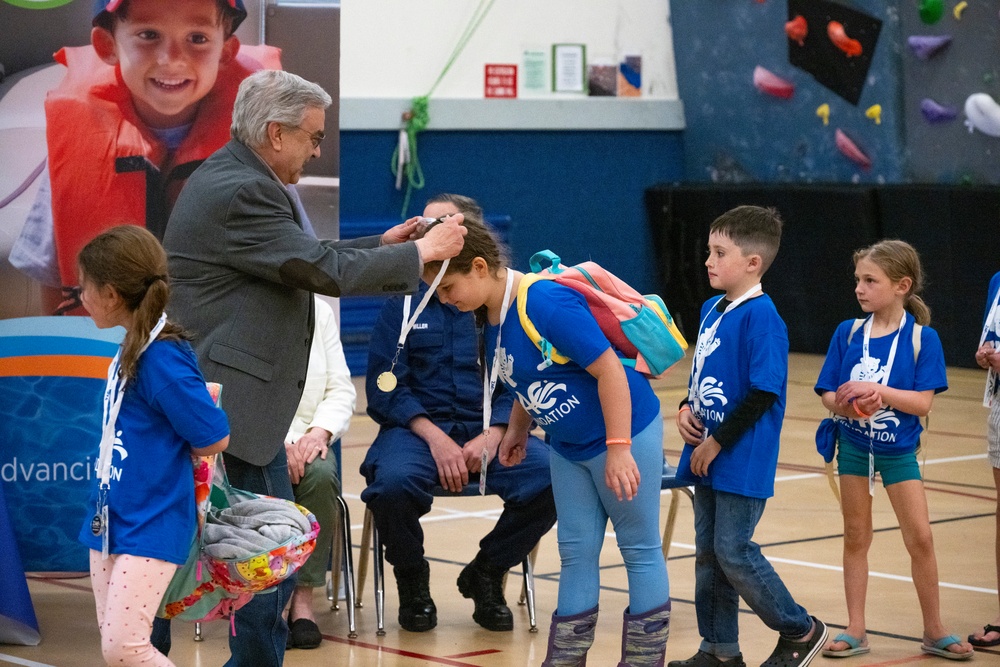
207,588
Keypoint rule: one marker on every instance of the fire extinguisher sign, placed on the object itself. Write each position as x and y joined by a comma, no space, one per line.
501,80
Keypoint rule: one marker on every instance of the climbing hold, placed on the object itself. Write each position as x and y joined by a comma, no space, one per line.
835,31
959,8
926,47
931,11
982,113
851,150
874,112
768,82
823,111
937,113
797,29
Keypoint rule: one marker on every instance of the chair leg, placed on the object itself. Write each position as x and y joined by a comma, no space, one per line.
197,632
378,563
668,529
333,583
533,557
348,566
366,541
529,589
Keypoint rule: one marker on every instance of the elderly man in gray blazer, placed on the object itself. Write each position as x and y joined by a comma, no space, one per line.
243,271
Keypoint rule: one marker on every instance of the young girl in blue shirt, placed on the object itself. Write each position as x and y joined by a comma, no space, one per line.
878,383
604,426
157,413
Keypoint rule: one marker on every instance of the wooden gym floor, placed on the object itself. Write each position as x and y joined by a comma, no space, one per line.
801,533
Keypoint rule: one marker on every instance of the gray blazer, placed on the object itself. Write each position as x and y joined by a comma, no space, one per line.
242,273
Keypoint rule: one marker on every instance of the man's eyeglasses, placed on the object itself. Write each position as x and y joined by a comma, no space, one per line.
316,138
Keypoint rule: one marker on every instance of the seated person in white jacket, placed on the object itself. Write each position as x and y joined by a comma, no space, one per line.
323,416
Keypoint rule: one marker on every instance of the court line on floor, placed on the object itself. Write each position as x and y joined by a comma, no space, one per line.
379,648
21,661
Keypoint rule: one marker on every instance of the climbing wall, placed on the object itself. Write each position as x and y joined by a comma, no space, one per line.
760,106
944,63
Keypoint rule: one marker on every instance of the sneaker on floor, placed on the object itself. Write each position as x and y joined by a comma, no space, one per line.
789,653
702,659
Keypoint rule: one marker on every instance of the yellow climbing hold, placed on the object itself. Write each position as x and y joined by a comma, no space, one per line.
874,112
959,8
823,111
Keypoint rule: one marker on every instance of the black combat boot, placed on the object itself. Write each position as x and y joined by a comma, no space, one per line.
417,612
483,582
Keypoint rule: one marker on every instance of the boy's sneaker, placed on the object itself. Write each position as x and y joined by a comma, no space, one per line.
789,653
702,659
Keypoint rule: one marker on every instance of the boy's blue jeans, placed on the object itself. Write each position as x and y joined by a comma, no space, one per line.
729,565
584,504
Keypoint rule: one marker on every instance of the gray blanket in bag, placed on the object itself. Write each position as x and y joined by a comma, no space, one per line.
252,527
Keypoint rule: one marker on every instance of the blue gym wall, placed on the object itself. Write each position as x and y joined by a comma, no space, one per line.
579,194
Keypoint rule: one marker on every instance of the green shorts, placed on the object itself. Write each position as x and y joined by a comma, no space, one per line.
894,469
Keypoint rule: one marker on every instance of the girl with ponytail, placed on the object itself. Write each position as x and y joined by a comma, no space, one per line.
157,413
879,378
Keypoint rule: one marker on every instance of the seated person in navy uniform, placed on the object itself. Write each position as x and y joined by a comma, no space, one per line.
432,433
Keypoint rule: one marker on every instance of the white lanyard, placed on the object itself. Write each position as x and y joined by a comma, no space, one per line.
991,375
704,340
887,369
386,381
490,382
113,394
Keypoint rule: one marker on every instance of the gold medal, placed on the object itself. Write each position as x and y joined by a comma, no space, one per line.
386,381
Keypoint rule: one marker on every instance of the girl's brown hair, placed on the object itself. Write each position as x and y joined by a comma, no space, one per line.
131,261
900,260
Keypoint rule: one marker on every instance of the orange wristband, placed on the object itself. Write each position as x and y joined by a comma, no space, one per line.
618,441
684,407
858,410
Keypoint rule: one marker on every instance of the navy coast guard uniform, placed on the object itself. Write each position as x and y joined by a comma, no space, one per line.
439,378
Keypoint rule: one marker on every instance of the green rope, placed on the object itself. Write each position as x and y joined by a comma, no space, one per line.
418,116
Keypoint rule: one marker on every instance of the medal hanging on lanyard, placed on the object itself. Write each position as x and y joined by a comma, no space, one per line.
113,394
490,385
702,352
386,380
884,381
991,324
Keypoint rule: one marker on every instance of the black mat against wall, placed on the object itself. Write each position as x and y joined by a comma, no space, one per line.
811,280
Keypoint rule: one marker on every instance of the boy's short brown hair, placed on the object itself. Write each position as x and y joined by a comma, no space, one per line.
108,12
755,230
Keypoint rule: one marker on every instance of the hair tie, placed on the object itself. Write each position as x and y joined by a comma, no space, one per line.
152,279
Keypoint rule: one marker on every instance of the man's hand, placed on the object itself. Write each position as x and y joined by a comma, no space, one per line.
444,240
473,449
449,457
690,427
314,443
621,474
410,230
703,455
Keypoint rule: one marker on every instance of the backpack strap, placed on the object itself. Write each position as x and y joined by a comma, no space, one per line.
854,327
549,353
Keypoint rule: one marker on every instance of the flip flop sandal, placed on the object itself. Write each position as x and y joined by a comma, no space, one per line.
854,647
940,648
985,643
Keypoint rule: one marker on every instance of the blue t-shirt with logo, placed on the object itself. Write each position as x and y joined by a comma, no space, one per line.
563,398
749,351
992,328
166,411
894,432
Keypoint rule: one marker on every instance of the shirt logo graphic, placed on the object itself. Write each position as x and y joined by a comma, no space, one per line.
506,371
868,370
710,390
540,396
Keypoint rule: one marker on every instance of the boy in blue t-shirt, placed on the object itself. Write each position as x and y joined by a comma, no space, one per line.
731,423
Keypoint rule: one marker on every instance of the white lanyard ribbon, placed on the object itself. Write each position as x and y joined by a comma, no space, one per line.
490,382
884,381
704,340
114,392
991,375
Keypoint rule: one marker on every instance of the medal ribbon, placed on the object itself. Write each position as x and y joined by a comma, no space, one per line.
490,383
865,359
991,375
113,394
406,324
701,351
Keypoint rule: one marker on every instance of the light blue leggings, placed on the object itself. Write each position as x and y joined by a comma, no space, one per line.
584,504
